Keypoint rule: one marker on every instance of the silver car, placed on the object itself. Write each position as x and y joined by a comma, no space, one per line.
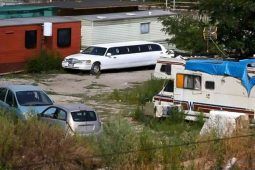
23,99
74,118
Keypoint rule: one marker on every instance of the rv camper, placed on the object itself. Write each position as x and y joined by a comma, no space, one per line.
200,86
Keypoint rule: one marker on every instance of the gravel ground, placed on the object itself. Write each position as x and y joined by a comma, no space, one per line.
75,87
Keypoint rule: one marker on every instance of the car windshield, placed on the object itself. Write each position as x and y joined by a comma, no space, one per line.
33,98
94,51
81,116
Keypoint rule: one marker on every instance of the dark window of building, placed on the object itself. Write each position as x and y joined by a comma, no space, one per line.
64,37
30,39
209,85
166,69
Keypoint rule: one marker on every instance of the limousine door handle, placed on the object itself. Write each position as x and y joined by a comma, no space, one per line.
114,57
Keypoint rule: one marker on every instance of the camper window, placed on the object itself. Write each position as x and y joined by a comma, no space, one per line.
166,69
169,86
209,85
192,82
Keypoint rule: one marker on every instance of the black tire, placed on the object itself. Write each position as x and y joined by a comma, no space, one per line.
95,69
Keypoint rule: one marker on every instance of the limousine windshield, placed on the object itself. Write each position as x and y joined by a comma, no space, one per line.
94,51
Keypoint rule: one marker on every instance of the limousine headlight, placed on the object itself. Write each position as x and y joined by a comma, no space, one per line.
86,61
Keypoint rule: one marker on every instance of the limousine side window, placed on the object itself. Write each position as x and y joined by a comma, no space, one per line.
144,48
155,47
134,49
94,51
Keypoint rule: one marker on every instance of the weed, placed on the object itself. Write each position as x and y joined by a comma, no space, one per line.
44,62
139,94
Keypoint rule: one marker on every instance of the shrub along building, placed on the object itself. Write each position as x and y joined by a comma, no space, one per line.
23,38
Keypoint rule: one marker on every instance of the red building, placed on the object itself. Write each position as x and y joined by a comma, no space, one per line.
22,38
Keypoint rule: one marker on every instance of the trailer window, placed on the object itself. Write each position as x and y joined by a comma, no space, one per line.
166,69
30,39
169,86
64,37
145,28
188,81
209,85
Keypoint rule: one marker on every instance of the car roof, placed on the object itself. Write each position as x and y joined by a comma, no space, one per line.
120,44
73,107
21,87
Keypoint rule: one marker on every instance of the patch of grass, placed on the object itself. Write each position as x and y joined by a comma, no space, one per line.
139,94
95,86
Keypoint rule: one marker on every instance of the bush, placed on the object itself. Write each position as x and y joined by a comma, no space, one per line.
44,62
32,144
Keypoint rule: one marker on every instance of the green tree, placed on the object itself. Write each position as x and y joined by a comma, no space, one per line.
235,27
235,22
187,33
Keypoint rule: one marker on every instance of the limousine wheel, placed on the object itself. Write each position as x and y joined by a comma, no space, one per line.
95,69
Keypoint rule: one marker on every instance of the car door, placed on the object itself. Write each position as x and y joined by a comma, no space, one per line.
111,59
11,101
54,116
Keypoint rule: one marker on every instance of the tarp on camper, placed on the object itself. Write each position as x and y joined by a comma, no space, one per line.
230,68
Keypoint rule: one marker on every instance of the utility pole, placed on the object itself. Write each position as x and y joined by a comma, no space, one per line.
173,4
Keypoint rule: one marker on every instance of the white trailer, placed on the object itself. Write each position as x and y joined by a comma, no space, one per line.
200,86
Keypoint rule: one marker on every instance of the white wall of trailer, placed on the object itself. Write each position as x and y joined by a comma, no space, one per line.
97,32
228,91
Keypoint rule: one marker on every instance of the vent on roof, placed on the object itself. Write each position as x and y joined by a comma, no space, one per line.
130,14
101,17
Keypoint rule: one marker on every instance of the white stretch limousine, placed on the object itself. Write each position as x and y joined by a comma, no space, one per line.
115,56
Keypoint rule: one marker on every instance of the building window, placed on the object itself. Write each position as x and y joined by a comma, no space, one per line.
64,37
209,85
30,39
145,28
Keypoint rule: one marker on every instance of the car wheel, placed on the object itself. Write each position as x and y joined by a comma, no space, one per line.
95,69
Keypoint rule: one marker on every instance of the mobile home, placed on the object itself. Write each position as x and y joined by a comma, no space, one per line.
123,26
23,38
200,86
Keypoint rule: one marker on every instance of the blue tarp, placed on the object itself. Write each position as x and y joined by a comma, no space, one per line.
229,68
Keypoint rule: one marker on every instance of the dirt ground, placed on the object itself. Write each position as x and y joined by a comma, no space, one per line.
77,87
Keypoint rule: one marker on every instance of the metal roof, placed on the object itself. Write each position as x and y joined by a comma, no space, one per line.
126,15
36,20
88,4
9,8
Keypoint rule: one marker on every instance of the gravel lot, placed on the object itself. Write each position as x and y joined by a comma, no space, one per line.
76,87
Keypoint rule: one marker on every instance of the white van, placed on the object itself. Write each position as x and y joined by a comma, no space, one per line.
115,56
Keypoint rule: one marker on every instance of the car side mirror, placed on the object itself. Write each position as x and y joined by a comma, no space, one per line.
108,54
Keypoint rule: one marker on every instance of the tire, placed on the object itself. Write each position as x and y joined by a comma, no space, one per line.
95,69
